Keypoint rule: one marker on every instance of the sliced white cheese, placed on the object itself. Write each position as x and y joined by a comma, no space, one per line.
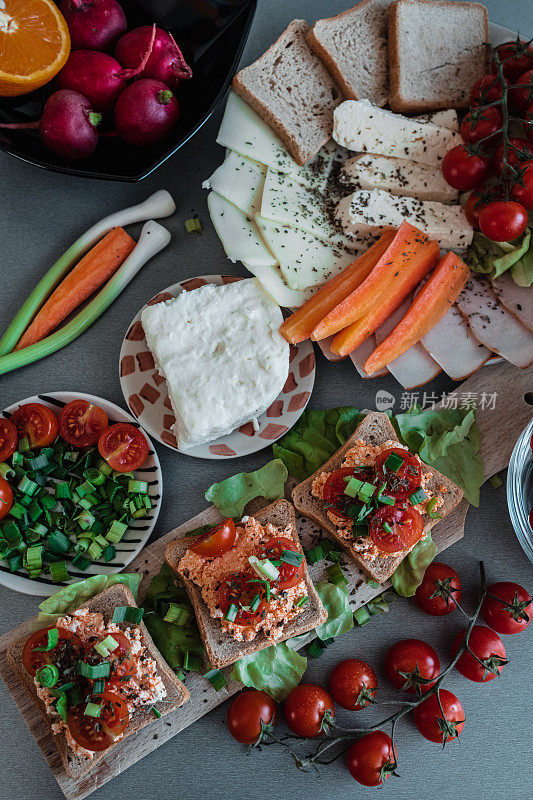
453,345
516,299
360,355
240,180
447,118
493,324
397,176
273,282
371,211
239,235
304,260
365,128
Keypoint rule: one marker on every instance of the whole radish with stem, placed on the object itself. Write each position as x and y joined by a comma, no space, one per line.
165,60
93,24
146,112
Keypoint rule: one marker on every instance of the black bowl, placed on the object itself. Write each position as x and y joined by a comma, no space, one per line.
212,35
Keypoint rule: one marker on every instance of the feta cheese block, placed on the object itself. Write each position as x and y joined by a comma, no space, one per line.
398,176
370,211
238,233
364,128
240,180
221,354
447,118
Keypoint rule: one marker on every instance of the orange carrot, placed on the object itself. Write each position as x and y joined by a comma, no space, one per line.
391,296
299,325
429,306
397,259
86,277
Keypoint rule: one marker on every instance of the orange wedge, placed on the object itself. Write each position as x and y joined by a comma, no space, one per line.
34,45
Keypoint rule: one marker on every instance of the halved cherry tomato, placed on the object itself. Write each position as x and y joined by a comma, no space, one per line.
406,480
124,447
99,733
8,439
67,649
240,589
36,423
6,497
405,523
217,541
289,574
81,423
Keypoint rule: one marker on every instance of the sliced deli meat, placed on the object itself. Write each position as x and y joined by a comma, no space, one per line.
453,345
516,299
360,355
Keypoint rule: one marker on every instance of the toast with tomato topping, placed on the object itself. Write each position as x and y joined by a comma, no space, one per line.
375,430
221,648
76,765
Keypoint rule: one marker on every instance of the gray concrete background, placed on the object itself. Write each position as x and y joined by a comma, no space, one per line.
41,214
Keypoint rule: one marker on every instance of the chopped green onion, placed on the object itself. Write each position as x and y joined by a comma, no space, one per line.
94,476
85,520
231,613
116,531
99,687
495,481
336,575
264,568
94,551
394,462
378,605
193,225
361,616
27,486
178,614
256,602
24,444
316,648
105,647
104,467
291,557
17,459
373,584
128,614
301,602
34,557
80,562
58,542
37,463
93,709
52,640
61,706
418,497
156,712
137,487
109,553
93,671
353,486
216,679
47,676
387,528
366,492
5,469
192,662
59,571
334,555
387,500
14,562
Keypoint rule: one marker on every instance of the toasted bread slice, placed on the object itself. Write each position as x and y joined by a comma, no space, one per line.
177,694
375,429
220,647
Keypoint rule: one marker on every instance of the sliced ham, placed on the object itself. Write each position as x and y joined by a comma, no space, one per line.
324,346
453,345
516,299
360,355
493,324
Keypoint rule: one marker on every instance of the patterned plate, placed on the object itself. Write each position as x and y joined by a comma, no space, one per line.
146,394
139,530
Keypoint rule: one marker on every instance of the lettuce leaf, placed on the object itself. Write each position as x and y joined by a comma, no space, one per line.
522,270
231,495
340,615
70,597
495,258
408,575
275,670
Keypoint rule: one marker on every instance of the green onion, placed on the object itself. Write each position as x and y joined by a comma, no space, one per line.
193,225
361,616
27,486
192,662
366,492
178,614
61,706
301,602
5,469
394,462
94,551
353,487
216,679
336,575
156,712
387,500
58,542
80,562
373,584
264,568
109,553
128,614
137,487
378,605
418,497
17,459
17,511
180,675
59,571
95,476
23,444
103,467
35,464
93,671
387,528
231,613
47,676
85,520
14,562
116,531
33,558
494,481
105,647
291,557
316,648
334,555
99,687
93,709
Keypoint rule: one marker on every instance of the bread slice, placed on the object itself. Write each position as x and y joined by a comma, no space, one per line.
220,647
375,429
436,53
353,46
291,89
177,693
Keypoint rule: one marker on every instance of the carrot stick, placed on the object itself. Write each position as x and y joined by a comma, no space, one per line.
391,297
299,325
397,259
86,277
429,306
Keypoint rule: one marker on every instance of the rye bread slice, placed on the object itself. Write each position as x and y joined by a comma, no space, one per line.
375,429
221,648
177,694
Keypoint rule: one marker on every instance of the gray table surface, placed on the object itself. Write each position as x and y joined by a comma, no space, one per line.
41,214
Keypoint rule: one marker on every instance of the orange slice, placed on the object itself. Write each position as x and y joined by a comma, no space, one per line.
34,44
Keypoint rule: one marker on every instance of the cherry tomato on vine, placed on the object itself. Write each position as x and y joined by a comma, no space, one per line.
523,97
6,498
307,709
503,220
524,193
432,725
8,439
488,647
245,715
515,57
217,541
528,123
410,663
372,759
124,447
36,423
486,89
476,202
518,150
440,588
513,618
81,423
482,123
465,170
353,684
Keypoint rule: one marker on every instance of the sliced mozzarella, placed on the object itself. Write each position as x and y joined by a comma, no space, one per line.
442,119
240,180
272,281
453,345
516,299
399,177
493,324
360,355
239,235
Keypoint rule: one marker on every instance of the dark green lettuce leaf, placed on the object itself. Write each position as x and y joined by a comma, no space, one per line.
408,575
231,495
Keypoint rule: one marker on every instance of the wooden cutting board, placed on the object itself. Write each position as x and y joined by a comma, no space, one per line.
499,427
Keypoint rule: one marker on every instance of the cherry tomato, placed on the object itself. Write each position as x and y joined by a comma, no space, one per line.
6,498
8,439
504,619
124,447
69,644
477,200
518,150
217,541
240,589
515,57
481,123
430,722
503,220
307,708
36,423
289,574
98,733
411,662
486,90
524,193
464,170
406,480
353,684
487,646
372,760
440,588
245,715
406,526
528,123
523,97
81,423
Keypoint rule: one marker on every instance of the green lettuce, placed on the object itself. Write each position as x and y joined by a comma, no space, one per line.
408,575
522,270
340,615
70,597
495,258
275,670
231,496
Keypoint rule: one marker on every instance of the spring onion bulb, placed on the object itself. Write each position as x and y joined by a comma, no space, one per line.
153,238
158,205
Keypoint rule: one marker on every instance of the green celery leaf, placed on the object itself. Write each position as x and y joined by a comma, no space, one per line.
231,496
70,597
340,615
275,670
408,575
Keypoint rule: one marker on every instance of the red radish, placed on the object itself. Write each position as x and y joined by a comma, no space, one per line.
67,126
165,61
145,112
93,24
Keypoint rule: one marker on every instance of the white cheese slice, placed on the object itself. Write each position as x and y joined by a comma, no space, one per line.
516,299
239,235
397,176
221,353
240,180
453,345
273,282
371,211
447,118
304,260
365,128
360,355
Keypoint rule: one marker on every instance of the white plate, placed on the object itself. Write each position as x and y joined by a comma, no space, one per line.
145,390
139,530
